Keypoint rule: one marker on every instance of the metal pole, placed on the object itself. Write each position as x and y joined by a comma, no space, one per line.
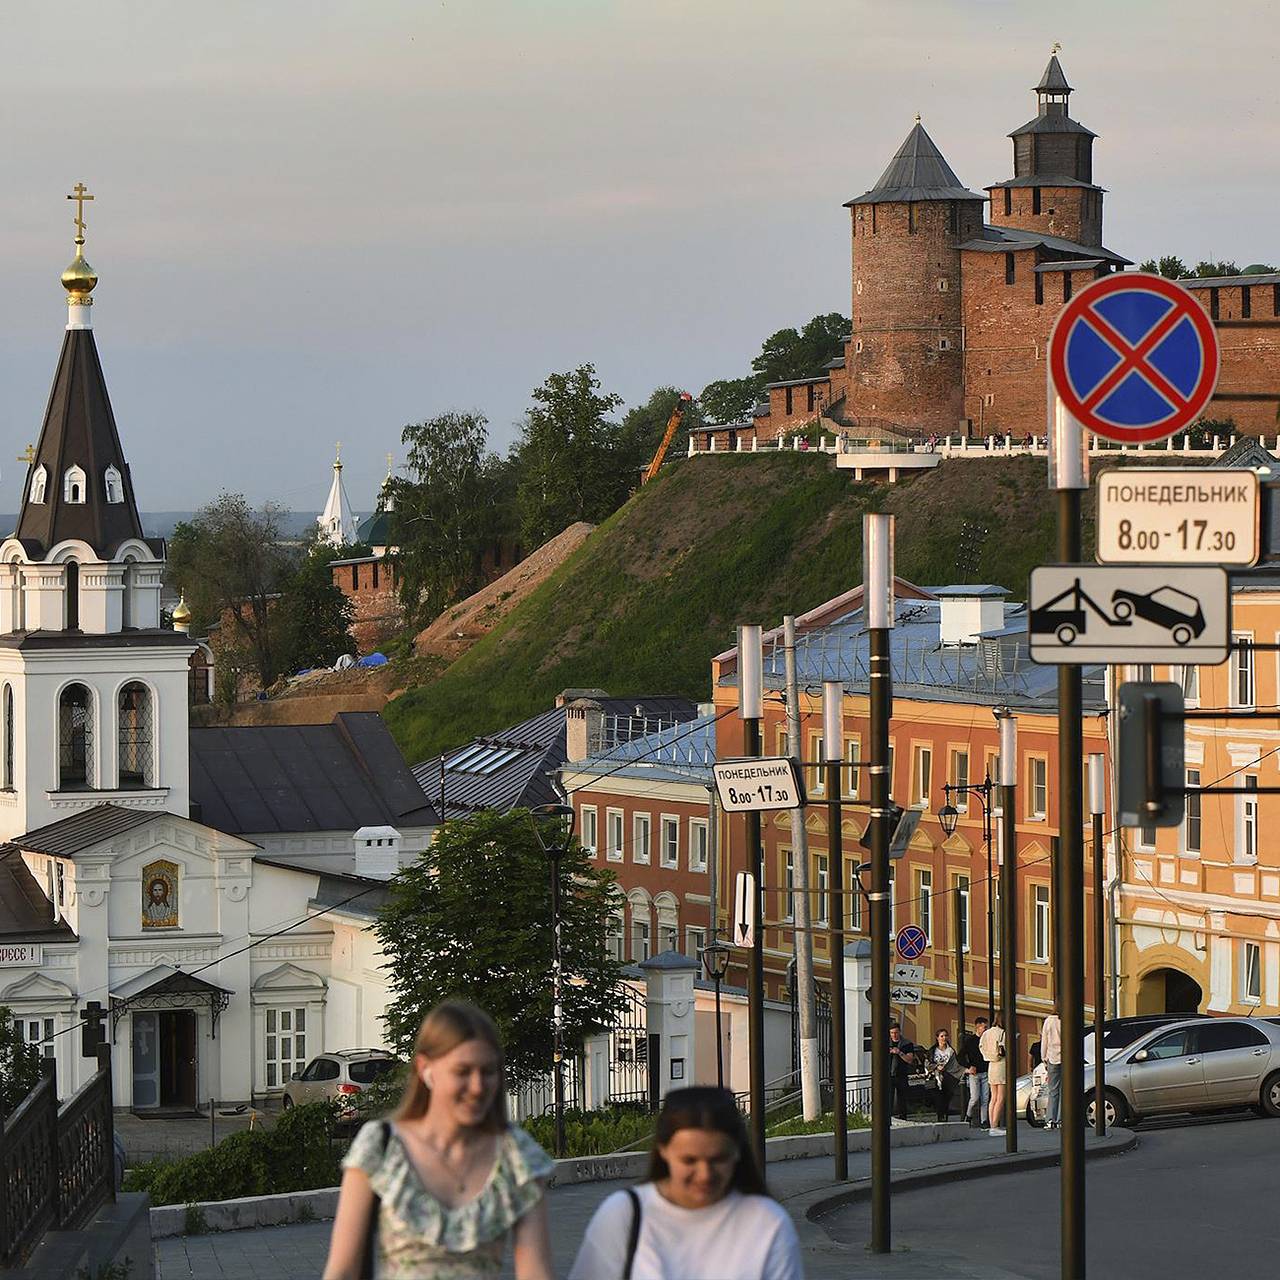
877,543
833,749
1009,923
719,1042
1069,474
751,708
557,1048
958,930
991,911
1097,808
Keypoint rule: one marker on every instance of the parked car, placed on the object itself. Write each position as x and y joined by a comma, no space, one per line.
1197,1064
340,1074
1167,607
1118,1034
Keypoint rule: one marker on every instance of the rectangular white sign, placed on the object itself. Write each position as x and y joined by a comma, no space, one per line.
751,785
1079,614
14,955
744,910
1162,515
908,973
904,994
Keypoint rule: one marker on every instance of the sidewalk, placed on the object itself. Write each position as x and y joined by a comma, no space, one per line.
805,1187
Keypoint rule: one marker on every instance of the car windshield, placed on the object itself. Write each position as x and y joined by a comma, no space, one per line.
371,1069
1172,598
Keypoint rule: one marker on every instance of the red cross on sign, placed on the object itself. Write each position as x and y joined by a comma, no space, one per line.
1134,357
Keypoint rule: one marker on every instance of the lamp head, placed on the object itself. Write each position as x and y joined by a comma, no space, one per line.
715,960
949,815
553,825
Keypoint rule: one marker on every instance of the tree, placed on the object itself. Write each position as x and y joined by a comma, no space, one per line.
472,918
19,1065
1208,270
729,399
1169,267
644,426
316,614
569,456
453,504
231,563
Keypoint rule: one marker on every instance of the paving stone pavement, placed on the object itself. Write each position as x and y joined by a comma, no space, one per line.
298,1252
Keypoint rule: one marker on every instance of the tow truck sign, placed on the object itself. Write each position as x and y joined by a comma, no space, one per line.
1080,614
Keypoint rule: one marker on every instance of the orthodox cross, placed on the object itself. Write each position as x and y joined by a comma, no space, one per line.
29,455
80,193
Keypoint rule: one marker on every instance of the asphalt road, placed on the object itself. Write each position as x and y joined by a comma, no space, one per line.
1195,1197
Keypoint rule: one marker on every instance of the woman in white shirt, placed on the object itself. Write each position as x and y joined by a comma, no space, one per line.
702,1213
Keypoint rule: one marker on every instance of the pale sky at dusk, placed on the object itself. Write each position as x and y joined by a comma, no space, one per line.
318,221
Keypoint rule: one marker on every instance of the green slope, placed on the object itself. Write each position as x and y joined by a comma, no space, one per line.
658,589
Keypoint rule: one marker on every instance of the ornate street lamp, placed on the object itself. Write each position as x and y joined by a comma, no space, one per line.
949,816
715,960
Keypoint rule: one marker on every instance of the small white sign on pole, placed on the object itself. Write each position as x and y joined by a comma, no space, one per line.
744,910
907,973
904,994
758,785
1171,515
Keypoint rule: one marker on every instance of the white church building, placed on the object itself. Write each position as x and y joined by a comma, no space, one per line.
212,888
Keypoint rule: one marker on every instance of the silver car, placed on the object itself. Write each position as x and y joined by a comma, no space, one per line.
339,1075
1203,1065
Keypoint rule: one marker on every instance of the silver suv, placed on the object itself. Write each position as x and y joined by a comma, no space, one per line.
339,1075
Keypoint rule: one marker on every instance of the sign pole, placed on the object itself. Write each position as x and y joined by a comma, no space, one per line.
958,930
1069,475
751,709
833,750
877,580
1097,809
1009,917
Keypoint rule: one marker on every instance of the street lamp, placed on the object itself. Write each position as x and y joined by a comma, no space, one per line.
553,826
949,816
715,960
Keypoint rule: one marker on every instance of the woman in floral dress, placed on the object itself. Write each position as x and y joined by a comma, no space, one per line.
448,1179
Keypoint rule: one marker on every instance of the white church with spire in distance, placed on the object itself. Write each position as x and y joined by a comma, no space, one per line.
337,522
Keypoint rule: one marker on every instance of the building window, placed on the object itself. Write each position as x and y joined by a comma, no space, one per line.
994,889
39,482
944,285
668,923
1066,286
1040,930
374,567
1035,199
1039,277
670,842
789,885
853,892
8,737
911,218
1251,987
697,844
824,882
962,896
1008,202
75,738
114,486
789,404
355,577
1038,788
73,486
815,774
137,732
1213,303
890,763
37,1033
1242,687
694,942
640,833
614,931
1246,303
857,343
590,830
1247,839
924,902
853,753
613,834
641,947
1146,837
960,780
1010,268
286,1045
922,777
811,397
73,596
1191,686
1191,822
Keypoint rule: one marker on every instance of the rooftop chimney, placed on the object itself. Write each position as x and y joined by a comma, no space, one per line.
965,613
583,723
377,852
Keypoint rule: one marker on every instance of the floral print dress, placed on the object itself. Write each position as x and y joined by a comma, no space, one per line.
421,1239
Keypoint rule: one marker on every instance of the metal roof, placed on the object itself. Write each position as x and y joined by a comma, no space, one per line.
1054,79
681,753
69,836
1070,264
974,592
25,913
916,172
1213,282
313,777
1054,123
1044,180
998,239
164,979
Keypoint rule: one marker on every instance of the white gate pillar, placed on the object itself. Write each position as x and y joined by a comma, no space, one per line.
669,1008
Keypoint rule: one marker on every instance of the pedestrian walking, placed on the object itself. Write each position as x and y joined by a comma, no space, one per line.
991,1046
435,1190
902,1060
947,1072
1051,1052
702,1213
975,1066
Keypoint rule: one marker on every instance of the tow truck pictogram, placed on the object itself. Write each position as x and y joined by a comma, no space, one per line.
1066,623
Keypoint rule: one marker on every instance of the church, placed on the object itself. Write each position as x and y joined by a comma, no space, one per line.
213,889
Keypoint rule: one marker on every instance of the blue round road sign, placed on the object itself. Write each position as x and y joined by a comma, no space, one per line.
1134,357
912,942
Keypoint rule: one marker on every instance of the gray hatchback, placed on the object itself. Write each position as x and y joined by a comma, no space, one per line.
1208,1064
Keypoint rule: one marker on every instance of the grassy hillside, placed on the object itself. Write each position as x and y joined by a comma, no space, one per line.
657,591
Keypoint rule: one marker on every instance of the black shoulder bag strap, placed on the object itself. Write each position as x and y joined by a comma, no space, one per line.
633,1235
368,1268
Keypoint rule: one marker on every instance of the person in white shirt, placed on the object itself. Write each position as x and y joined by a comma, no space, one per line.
1051,1055
701,1214
991,1046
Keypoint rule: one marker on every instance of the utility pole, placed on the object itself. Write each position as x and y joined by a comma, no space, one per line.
810,1084
878,611
1009,921
833,756
1097,810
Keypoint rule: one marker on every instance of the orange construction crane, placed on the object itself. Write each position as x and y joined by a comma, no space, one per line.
668,435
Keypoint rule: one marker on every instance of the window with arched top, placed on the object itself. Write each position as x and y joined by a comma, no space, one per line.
6,762
126,595
73,596
114,485
73,487
19,599
641,925
668,922
39,481
75,739
137,736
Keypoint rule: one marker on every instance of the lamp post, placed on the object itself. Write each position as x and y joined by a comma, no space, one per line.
833,754
553,825
949,816
1097,811
1008,771
715,960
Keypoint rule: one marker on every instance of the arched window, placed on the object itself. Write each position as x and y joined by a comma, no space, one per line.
73,596
137,736
73,485
616,926
114,485
75,739
641,925
7,764
19,597
38,483
668,922
126,595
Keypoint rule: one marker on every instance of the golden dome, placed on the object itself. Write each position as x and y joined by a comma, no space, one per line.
79,278
182,613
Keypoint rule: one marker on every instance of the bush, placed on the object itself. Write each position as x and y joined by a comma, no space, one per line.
592,1133
823,1124
297,1154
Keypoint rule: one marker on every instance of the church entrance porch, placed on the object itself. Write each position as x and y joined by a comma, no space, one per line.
165,1066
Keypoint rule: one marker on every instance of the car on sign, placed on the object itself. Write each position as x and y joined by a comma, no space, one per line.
338,1076
1177,612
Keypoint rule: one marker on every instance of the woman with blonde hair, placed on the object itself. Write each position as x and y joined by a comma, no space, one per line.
434,1191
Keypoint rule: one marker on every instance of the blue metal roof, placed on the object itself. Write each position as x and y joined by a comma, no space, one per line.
678,753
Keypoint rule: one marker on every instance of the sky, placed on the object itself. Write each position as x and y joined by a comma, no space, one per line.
318,221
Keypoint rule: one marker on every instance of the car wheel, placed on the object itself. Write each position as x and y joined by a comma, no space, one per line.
1182,634
288,1103
1117,1111
1034,1120
1066,633
1122,609
1271,1095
